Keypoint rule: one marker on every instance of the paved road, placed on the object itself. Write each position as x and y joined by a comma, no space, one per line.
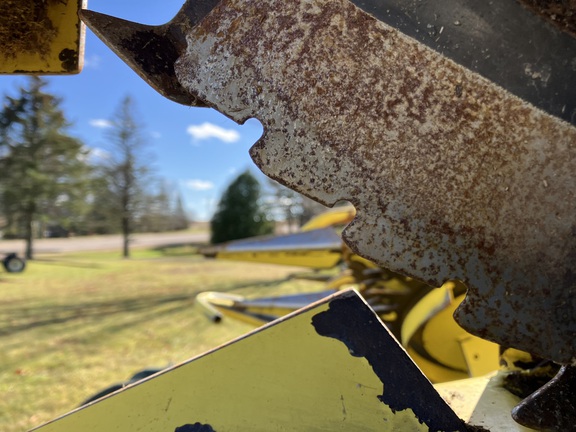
107,242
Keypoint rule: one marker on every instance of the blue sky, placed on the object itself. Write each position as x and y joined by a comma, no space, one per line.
198,150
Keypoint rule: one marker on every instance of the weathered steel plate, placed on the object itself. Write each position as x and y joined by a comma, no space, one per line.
330,367
451,176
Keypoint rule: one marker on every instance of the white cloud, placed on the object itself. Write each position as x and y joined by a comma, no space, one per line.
100,123
98,154
209,130
156,135
199,185
92,61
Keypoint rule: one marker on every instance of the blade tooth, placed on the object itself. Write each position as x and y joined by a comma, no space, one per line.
150,51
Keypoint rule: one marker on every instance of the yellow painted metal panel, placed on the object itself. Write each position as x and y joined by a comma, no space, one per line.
435,372
448,343
41,37
336,216
482,356
308,372
301,258
451,353
243,316
426,308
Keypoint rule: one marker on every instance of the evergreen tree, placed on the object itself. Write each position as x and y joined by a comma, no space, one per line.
42,168
239,214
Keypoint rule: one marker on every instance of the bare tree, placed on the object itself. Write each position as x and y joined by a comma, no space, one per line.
126,171
290,206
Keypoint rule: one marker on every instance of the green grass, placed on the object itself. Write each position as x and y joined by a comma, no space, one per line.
71,325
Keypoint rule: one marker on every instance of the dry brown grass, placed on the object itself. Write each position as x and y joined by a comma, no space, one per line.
72,325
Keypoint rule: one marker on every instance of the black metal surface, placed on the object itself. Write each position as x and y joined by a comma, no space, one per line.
553,407
501,40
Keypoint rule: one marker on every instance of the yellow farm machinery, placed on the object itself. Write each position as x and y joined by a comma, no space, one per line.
450,127
418,315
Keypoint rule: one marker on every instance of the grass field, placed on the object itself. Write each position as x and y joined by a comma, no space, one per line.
71,325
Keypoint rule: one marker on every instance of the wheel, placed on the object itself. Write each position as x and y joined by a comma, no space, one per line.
13,264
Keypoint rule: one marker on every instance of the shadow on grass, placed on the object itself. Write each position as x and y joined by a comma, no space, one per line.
29,317
23,318
66,263
177,249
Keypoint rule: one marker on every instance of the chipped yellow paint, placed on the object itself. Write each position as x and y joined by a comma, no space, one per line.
63,50
284,376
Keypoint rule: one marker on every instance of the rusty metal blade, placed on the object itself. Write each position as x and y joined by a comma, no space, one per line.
451,176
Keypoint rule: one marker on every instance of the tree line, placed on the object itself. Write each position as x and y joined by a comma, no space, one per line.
51,184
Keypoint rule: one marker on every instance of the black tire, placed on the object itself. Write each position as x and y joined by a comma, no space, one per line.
13,264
